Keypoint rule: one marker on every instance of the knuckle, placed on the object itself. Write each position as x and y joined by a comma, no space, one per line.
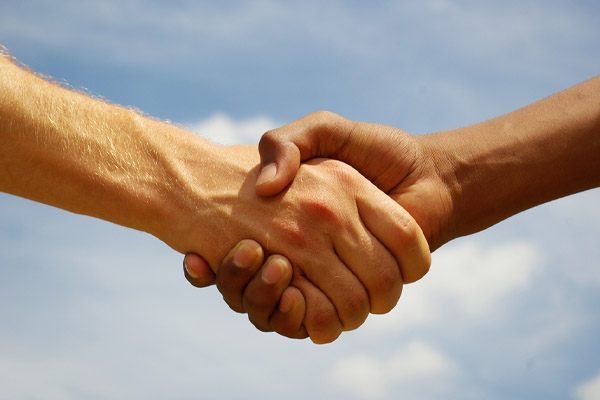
288,329
300,334
355,310
323,320
260,324
385,286
320,206
324,338
346,178
259,299
414,272
407,230
324,115
252,302
272,145
235,305
422,268
283,327
417,259
387,281
269,138
291,231
343,172
225,286
404,232
259,302
233,298
323,326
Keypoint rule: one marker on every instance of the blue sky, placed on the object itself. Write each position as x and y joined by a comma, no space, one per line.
91,310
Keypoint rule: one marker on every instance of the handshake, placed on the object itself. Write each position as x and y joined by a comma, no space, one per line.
351,241
321,224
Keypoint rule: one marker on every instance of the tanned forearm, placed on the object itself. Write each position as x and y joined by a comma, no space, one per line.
539,153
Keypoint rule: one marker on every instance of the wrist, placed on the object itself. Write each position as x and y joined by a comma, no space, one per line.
443,172
201,185
145,189
183,167
466,166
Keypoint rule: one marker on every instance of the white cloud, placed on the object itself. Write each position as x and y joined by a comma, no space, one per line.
468,280
362,375
480,279
222,129
366,376
588,390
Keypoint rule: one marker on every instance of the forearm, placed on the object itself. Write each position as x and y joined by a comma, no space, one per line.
68,150
539,153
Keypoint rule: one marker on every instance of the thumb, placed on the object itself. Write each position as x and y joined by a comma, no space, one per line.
279,162
197,271
281,150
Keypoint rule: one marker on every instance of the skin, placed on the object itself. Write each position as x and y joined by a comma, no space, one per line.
346,241
455,182
271,304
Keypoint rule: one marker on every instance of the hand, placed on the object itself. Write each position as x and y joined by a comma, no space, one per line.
395,161
341,265
271,304
403,166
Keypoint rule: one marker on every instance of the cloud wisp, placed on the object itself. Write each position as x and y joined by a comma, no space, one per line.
588,390
413,366
222,129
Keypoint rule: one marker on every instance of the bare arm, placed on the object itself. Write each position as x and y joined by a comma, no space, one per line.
71,151
460,181
498,168
456,182
67,150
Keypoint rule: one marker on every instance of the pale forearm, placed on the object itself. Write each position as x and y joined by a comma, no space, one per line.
539,153
71,151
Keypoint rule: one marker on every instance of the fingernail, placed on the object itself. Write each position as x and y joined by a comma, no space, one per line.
267,174
244,256
189,271
274,271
